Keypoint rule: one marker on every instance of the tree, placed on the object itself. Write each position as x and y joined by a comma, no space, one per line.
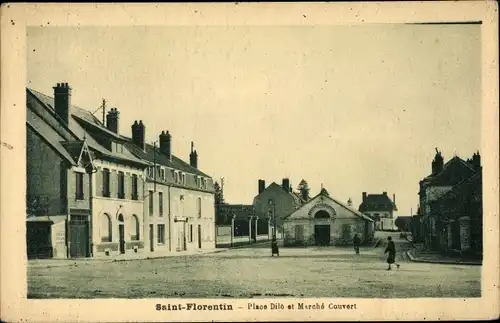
402,224
303,189
219,200
219,194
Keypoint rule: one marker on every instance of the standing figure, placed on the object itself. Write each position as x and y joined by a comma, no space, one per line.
356,241
391,249
274,247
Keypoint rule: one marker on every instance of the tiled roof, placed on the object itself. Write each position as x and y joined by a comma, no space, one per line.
76,127
377,202
151,156
322,193
51,136
454,171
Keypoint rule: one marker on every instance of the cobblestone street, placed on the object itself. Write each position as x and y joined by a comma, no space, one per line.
252,272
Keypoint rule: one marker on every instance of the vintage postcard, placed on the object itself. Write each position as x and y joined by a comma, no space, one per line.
249,162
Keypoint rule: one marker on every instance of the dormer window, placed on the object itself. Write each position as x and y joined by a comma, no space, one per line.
150,172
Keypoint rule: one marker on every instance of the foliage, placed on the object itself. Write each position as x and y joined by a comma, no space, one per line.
219,194
303,189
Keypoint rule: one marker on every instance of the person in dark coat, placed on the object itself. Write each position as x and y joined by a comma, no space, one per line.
391,249
356,242
274,248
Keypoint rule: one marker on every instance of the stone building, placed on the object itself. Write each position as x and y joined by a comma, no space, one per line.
458,217
324,221
441,180
380,208
275,202
84,187
94,192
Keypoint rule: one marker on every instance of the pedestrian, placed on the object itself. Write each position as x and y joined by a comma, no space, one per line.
356,242
274,247
391,249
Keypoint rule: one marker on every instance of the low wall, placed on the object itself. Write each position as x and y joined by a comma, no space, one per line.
225,241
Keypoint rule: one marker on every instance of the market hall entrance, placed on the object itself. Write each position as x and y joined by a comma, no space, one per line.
322,228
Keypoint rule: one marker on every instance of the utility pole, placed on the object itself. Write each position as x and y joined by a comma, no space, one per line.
103,111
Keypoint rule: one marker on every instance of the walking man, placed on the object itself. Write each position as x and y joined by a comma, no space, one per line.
356,241
391,249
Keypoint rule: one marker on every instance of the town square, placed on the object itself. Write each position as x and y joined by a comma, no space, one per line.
251,272
244,163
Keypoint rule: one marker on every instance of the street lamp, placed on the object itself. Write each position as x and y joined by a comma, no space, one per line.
273,205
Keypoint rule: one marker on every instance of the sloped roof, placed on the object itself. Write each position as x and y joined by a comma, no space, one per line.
296,196
50,135
75,129
377,202
454,171
468,186
323,194
160,158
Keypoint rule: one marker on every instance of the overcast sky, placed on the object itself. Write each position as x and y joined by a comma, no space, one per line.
357,108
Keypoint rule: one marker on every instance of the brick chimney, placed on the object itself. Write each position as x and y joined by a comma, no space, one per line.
112,120
138,133
193,156
62,101
364,196
394,198
166,144
285,184
262,185
384,193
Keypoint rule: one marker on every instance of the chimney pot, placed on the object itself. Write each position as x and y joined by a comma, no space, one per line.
62,102
166,144
138,134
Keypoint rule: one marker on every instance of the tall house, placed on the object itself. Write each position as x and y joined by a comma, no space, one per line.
275,201
84,187
441,182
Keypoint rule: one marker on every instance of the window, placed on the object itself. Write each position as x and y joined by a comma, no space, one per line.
160,202
105,183
79,186
162,174
161,233
150,172
135,234
121,185
199,206
183,179
135,195
176,177
197,181
105,228
150,203
190,233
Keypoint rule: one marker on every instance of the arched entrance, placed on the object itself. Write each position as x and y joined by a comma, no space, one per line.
121,233
322,228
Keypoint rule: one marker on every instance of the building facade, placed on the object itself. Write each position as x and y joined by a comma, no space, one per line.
179,212
92,192
71,209
443,178
274,203
380,208
324,221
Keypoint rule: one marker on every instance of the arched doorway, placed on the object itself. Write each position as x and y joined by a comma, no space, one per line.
121,233
322,228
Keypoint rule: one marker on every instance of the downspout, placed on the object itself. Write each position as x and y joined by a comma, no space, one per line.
169,223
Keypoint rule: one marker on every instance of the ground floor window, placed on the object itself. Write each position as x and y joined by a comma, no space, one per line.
190,233
106,228
161,233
